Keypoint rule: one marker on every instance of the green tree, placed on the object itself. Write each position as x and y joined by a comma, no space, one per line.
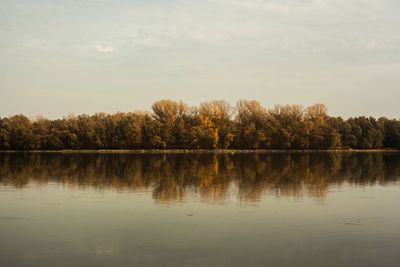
21,134
391,133
289,129
4,134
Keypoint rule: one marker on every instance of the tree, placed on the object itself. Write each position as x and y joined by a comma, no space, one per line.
217,110
289,128
21,134
316,114
204,135
4,134
220,114
321,134
251,124
168,113
324,137
169,110
87,135
391,129
152,134
368,132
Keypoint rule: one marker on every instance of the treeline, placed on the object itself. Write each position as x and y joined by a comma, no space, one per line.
211,125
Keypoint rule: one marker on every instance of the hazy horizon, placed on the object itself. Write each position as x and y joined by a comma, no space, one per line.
34,117
83,57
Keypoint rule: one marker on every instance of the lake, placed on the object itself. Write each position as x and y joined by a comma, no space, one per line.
278,209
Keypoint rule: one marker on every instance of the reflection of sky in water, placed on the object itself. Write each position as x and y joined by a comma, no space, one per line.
352,226
106,211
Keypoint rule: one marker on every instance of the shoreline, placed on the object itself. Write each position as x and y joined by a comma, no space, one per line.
196,151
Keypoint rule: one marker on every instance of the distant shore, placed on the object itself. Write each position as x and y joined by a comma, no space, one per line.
193,151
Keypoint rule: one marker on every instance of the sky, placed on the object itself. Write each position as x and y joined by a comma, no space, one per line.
61,57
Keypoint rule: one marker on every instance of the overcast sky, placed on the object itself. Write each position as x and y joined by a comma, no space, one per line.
62,57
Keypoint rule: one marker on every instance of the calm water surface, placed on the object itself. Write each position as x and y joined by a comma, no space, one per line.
317,209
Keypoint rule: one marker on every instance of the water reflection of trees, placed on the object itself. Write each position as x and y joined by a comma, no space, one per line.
210,176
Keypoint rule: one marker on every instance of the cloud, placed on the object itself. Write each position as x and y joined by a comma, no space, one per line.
262,5
368,44
373,45
105,48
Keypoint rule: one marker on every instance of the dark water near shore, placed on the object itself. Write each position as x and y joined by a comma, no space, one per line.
282,209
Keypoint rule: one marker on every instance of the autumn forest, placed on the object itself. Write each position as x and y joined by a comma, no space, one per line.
211,125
